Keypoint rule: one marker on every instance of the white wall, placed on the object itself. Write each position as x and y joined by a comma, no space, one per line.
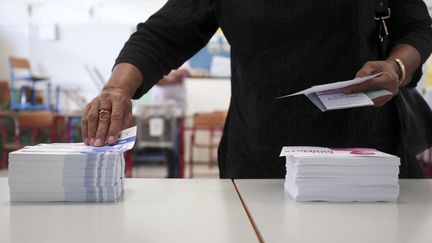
86,32
93,44
13,33
208,94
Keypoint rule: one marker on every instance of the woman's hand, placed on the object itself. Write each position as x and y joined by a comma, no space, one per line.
388,80
110,112
105,116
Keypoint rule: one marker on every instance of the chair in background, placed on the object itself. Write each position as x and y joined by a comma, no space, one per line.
425,159
7,135
4,95
32,123
22,80
213,124
6,124
35,122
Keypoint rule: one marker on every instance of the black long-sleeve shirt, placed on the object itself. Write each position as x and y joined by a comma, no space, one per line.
280,47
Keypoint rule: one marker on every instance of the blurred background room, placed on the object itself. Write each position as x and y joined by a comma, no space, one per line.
56,55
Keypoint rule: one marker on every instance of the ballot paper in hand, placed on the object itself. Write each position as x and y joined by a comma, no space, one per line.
341,175
330,97
69,171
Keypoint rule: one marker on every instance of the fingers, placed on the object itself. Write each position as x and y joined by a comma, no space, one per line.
104,115
92,121
366,85
115,123
130,121
84,126
388,80
368,68
380,101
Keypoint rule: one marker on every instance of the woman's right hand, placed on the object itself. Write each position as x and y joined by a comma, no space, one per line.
105,116
111,111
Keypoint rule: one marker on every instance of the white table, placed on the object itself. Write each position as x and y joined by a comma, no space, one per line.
152,210
280,219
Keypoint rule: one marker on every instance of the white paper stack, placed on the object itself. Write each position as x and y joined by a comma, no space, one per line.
340,175
69,171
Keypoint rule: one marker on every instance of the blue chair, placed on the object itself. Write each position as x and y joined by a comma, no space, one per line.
20,74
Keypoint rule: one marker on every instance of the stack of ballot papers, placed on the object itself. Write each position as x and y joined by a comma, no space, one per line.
340,175
330,96
69,171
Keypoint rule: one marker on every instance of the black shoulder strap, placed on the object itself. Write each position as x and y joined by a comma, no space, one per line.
382,13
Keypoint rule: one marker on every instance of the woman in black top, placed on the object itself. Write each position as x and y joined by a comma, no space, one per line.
277,47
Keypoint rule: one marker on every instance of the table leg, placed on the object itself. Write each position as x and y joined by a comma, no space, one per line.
181,152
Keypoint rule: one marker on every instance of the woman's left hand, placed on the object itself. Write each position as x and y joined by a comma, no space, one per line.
388,80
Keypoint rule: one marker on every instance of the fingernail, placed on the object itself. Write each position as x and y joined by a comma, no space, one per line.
92,141
86,140
111,140
98,142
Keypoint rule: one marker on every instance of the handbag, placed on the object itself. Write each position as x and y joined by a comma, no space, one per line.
414,114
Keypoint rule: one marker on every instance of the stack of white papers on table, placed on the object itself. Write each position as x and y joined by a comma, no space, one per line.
330,96
341,175
69,171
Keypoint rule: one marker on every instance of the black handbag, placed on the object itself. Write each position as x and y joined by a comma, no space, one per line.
415,115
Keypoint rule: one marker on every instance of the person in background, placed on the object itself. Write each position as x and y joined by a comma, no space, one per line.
278,47
172,87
